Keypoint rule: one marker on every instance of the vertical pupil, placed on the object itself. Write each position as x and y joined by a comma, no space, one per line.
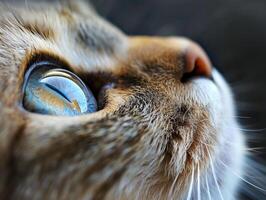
56,90
69,87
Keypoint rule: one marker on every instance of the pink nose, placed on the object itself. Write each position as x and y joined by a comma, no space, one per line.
197,62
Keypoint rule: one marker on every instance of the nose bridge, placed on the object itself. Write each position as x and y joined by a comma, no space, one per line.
156,52
171,54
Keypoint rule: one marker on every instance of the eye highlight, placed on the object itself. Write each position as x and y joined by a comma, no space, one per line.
56,91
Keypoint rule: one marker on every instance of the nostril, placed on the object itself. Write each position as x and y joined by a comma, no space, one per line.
197,63
198,70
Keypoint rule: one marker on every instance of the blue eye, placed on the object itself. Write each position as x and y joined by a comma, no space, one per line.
56,91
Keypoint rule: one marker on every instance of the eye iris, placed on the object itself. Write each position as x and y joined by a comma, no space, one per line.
57,92
71,88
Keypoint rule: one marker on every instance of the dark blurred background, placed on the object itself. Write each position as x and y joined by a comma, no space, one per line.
233,32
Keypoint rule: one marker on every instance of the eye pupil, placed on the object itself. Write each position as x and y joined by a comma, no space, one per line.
56,90
60,92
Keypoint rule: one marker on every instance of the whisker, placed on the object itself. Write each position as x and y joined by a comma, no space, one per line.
252,130
242,117
243,179
227,142
191,184
208,189
171,192
257,150
198,185
214,176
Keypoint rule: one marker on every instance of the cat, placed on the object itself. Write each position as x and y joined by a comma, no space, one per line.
164,128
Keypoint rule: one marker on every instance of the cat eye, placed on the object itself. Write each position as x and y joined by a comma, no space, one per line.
55,91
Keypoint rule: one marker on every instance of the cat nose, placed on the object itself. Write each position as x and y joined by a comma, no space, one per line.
183,57
196,63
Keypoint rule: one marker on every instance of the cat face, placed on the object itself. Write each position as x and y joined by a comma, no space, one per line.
164,128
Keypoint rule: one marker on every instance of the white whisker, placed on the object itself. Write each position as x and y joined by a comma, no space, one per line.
243,179
208,189
250,149
171,192
252,130
214,175
191,185
198,185
242,117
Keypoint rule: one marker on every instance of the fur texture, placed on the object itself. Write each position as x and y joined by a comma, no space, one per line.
155,138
